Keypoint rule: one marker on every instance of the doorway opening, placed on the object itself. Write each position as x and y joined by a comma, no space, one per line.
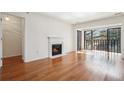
12,38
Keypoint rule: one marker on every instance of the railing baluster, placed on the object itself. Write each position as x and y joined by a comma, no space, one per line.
98,44
85,44
103,45
117,46
94,44
114,45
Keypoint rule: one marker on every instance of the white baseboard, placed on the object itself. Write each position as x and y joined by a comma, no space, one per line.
40,58
35,59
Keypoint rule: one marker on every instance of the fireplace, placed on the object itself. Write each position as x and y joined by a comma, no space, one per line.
55,46
56,49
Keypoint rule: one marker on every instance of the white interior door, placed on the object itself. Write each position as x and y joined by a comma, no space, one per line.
1,43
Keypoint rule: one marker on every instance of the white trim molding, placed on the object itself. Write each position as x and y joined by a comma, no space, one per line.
100,26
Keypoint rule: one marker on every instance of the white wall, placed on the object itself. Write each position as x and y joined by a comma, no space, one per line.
103,23
37,30
82,40
22,36
0,42
12,36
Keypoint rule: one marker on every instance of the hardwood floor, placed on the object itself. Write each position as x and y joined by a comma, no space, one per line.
84,65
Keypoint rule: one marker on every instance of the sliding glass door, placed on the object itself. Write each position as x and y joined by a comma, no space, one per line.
103,39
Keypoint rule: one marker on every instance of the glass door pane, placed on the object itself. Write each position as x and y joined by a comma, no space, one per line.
87,40
99,38
114,36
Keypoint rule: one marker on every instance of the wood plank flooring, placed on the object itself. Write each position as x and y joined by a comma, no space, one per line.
81,66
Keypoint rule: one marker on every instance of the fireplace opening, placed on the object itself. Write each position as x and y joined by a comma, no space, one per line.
56,49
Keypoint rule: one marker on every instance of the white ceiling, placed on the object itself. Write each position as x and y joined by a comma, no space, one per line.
80,17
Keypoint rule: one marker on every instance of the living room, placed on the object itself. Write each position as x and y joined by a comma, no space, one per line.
59,46
53,38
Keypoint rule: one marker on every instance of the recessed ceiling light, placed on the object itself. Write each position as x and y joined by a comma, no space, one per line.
7,18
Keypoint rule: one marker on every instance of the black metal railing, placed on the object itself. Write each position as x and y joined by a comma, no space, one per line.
112,45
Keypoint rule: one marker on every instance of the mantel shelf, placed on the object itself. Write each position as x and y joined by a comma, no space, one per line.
49,37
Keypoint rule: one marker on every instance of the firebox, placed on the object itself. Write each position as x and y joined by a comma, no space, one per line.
56,49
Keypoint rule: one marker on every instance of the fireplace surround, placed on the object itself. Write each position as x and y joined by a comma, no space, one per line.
55,46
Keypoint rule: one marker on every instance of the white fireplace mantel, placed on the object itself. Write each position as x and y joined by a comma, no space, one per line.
59,37
55,40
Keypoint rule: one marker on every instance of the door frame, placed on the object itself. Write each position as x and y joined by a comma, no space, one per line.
1,43
23,34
